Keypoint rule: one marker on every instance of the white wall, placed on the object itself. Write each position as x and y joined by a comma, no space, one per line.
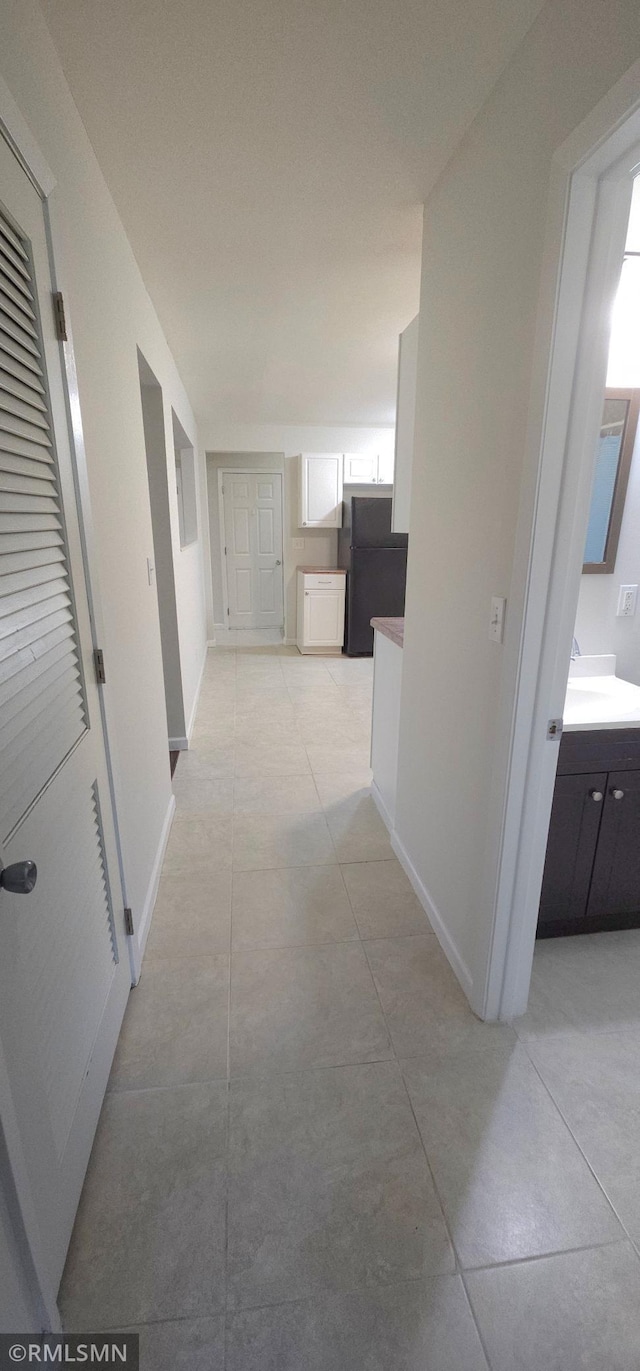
598,629
405,425
111,317
484,227
275,444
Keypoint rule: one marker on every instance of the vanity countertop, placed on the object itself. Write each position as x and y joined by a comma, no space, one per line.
599,701
391,628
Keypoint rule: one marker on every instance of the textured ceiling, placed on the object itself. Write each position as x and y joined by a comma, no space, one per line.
269,159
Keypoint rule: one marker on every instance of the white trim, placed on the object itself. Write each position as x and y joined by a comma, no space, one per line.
196,698
246,471
431,910
588,213
142,933
20,137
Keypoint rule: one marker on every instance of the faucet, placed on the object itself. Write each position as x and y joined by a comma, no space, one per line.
575,649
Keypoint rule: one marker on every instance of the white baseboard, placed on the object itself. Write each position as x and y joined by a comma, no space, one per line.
178,744
381,808
456,962
211,642
142,931
196,698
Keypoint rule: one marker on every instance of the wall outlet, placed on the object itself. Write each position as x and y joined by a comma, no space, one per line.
627,599
496,621
298,544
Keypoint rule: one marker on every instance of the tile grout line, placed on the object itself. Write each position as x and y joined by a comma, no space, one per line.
572,1135
413,1115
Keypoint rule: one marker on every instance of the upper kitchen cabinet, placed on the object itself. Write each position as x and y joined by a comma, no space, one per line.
368,469
320,488
405,425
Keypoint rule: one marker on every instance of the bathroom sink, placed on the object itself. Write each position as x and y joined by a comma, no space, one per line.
601,702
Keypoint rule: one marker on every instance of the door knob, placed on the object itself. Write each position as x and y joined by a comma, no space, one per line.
617,794
278,563
595,795
19,878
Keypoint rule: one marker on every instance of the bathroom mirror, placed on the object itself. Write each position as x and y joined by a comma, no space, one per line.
613,463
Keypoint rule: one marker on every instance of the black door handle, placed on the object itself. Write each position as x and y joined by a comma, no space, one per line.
19,878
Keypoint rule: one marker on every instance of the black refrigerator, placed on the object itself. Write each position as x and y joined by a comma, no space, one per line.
375,560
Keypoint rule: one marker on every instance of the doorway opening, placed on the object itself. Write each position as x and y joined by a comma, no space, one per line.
161,571
583,449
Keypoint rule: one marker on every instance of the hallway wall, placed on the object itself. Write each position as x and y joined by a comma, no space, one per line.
484,229
111,315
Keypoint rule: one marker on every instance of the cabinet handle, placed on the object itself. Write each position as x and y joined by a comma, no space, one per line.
617,794
595,795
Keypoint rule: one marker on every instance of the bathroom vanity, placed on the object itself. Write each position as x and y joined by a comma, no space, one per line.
591,877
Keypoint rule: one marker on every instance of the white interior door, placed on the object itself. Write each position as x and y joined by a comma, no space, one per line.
252,503
64,969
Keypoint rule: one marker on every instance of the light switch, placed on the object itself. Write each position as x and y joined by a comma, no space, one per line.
627,597
496,621
298,544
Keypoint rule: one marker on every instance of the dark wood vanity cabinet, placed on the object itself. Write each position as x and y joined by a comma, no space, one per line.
592,870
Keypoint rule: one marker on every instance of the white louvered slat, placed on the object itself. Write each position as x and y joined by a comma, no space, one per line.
18,293
45,681
42,708
10,562
14,268
25,409
28,668
15,483
32,393
13,242
31,576
30,375
15,634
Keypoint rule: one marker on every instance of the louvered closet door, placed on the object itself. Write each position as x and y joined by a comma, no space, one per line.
64,968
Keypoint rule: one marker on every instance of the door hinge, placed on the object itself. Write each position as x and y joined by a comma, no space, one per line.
98,660
225,552
228,611
59,317
128,922
554,729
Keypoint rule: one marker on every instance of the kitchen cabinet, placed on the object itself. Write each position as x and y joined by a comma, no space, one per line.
592,868
320,489
370,470
321,597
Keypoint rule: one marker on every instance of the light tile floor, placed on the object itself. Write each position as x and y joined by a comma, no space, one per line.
312,1157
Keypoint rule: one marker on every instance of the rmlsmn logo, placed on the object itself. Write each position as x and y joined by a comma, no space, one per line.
67,1350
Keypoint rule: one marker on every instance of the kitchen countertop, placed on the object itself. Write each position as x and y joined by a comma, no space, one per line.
391,628
322,570
596,698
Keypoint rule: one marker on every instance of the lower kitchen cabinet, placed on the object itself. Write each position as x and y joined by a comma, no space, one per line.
592,869
321,597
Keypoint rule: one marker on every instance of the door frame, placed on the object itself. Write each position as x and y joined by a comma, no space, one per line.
14,1181
590,195
245,471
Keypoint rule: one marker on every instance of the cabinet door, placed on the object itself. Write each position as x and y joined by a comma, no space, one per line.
360,469
576,816
323,618
615,885
321,490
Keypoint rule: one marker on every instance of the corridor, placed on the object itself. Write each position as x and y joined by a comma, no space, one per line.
312,1156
